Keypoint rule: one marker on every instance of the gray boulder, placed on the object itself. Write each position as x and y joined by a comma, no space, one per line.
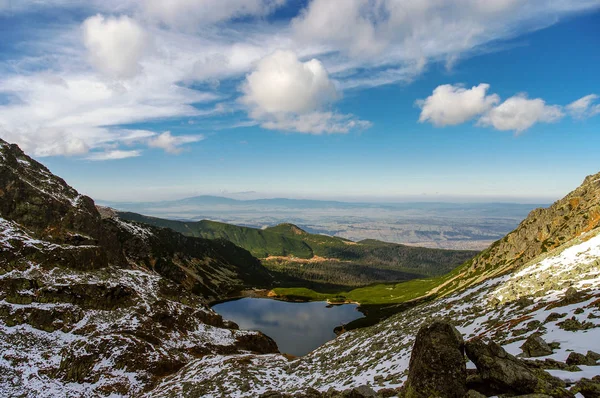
576,358
437,365
507,374
535,346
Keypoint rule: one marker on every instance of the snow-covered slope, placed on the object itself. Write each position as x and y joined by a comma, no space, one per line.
379,355
67,332
93,306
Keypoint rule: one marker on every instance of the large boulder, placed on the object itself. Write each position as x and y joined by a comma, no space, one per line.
437,364
576,358
535,346
507,374
588,388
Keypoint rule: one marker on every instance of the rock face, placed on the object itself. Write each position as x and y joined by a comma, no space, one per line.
93,305
505,373
542,231
535,346
437,363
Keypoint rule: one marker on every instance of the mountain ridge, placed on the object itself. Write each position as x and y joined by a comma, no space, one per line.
95,305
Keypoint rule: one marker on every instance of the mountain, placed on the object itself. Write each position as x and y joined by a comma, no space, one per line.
92,305
537,304
462,226
315,260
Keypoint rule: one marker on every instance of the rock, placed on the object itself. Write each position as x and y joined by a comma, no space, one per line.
571,295
437,364
258,343
576,358
573,324
593,356
507,374
387,392
554,316
362,392
549,363
535,346
588,388
272,394
503,371
474,394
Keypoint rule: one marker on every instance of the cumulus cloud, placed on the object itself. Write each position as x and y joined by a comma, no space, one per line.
113,155
115,45
70,108
584,107
173,144
518,113
281,83
285,93
453,104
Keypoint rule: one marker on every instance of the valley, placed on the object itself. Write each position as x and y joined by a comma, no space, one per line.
95,303
460,226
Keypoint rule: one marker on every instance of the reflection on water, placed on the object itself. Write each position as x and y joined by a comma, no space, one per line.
298,328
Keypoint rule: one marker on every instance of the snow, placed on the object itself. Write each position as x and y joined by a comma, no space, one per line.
134,228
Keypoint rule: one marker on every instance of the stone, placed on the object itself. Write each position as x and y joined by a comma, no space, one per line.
507,374
362,392
474,394
588,388
593,356
535,346
437,365
500,369
576,358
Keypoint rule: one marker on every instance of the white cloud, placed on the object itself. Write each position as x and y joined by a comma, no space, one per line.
173,144
423,28
115,45
584,107
69,108
451,105
518,113
192,14
317,123
387,34
284,93
283,84
113,155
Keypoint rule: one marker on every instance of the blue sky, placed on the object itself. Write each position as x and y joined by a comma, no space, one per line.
465,100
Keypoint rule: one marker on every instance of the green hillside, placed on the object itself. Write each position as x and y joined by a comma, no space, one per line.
261,243
304,259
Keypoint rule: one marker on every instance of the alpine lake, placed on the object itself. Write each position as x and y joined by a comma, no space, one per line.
297,327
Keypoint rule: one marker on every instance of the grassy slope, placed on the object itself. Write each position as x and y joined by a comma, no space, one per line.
261,243
340,261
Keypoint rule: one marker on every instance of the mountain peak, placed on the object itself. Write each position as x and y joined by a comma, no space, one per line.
288,228
543,230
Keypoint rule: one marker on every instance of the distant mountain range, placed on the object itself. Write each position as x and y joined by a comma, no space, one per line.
497,208
471,226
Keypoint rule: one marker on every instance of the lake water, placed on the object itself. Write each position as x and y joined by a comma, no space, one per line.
298,328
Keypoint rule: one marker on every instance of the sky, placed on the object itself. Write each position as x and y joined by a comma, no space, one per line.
380,100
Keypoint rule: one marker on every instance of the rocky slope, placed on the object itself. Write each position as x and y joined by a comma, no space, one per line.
551,294
91,305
